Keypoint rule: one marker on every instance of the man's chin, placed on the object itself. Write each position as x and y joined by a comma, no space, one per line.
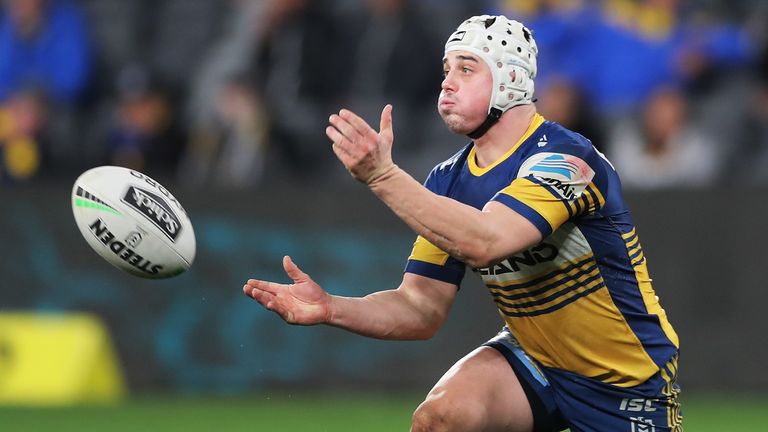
456,125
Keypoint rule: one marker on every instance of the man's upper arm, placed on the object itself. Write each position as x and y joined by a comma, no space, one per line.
432,297
552,188
514,232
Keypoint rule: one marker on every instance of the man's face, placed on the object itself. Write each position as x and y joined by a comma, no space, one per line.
466,92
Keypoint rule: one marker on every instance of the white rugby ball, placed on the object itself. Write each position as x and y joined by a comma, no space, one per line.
133,222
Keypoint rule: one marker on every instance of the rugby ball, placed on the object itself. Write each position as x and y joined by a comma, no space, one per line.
133,222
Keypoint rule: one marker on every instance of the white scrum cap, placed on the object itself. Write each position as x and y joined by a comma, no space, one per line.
510,51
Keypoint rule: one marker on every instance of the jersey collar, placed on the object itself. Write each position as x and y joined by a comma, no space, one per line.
472,160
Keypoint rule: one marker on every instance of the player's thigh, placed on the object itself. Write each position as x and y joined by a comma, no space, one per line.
479,393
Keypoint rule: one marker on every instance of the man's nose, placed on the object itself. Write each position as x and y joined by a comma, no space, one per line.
448,83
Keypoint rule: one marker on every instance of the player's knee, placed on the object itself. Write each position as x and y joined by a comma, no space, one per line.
439,415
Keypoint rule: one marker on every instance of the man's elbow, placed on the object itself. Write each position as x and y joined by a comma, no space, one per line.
425,333
479,256
479,262
484,254
430,325
416,333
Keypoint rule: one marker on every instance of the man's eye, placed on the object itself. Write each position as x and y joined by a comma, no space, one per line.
466,70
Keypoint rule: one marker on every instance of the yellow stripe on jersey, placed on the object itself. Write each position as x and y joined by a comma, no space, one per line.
565,293
425,251
591,200
629,234
553,209
583,261
472,157
651,301
572,205
590,197
624,362
516,297
584,203
600,198
671,391
631,243
638,259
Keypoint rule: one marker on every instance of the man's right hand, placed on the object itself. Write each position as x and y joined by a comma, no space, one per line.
303,302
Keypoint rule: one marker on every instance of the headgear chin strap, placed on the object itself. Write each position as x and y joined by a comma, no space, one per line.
493,116
509,50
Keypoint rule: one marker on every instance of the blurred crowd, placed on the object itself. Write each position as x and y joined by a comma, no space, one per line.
237,93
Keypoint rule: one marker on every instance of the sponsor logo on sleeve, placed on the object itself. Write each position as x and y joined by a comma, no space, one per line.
556,164
566,174
155,209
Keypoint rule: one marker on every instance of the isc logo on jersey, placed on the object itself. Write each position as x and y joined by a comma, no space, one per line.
133,222
565,174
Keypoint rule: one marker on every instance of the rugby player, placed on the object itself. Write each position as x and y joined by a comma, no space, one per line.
538,212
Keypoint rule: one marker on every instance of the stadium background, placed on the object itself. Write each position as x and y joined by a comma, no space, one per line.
226,102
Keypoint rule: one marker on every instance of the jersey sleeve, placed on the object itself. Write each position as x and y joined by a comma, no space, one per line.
430,261
552,188
426,259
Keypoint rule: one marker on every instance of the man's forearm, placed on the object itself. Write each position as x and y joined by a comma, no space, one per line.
384,315
452,226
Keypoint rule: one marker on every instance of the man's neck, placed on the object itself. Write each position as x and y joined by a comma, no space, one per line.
504,134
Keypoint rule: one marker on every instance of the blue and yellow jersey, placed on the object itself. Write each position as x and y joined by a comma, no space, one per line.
581,300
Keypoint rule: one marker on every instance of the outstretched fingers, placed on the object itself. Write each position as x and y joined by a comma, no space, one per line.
303,302
272,287
267,294
260,285
341,151
345,128
263,297
356,122
354,132
345,140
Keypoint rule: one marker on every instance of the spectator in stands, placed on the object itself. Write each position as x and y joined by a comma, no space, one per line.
619,51
229,148
760,113
143,133
20,150
228,127
44,68
558,26
391,43
750,159
665,149
304,72
43,45
562,102
181,33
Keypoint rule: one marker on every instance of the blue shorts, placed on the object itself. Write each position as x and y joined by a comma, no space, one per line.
560,399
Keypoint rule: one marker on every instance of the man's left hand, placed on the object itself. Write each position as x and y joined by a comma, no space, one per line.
365,153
